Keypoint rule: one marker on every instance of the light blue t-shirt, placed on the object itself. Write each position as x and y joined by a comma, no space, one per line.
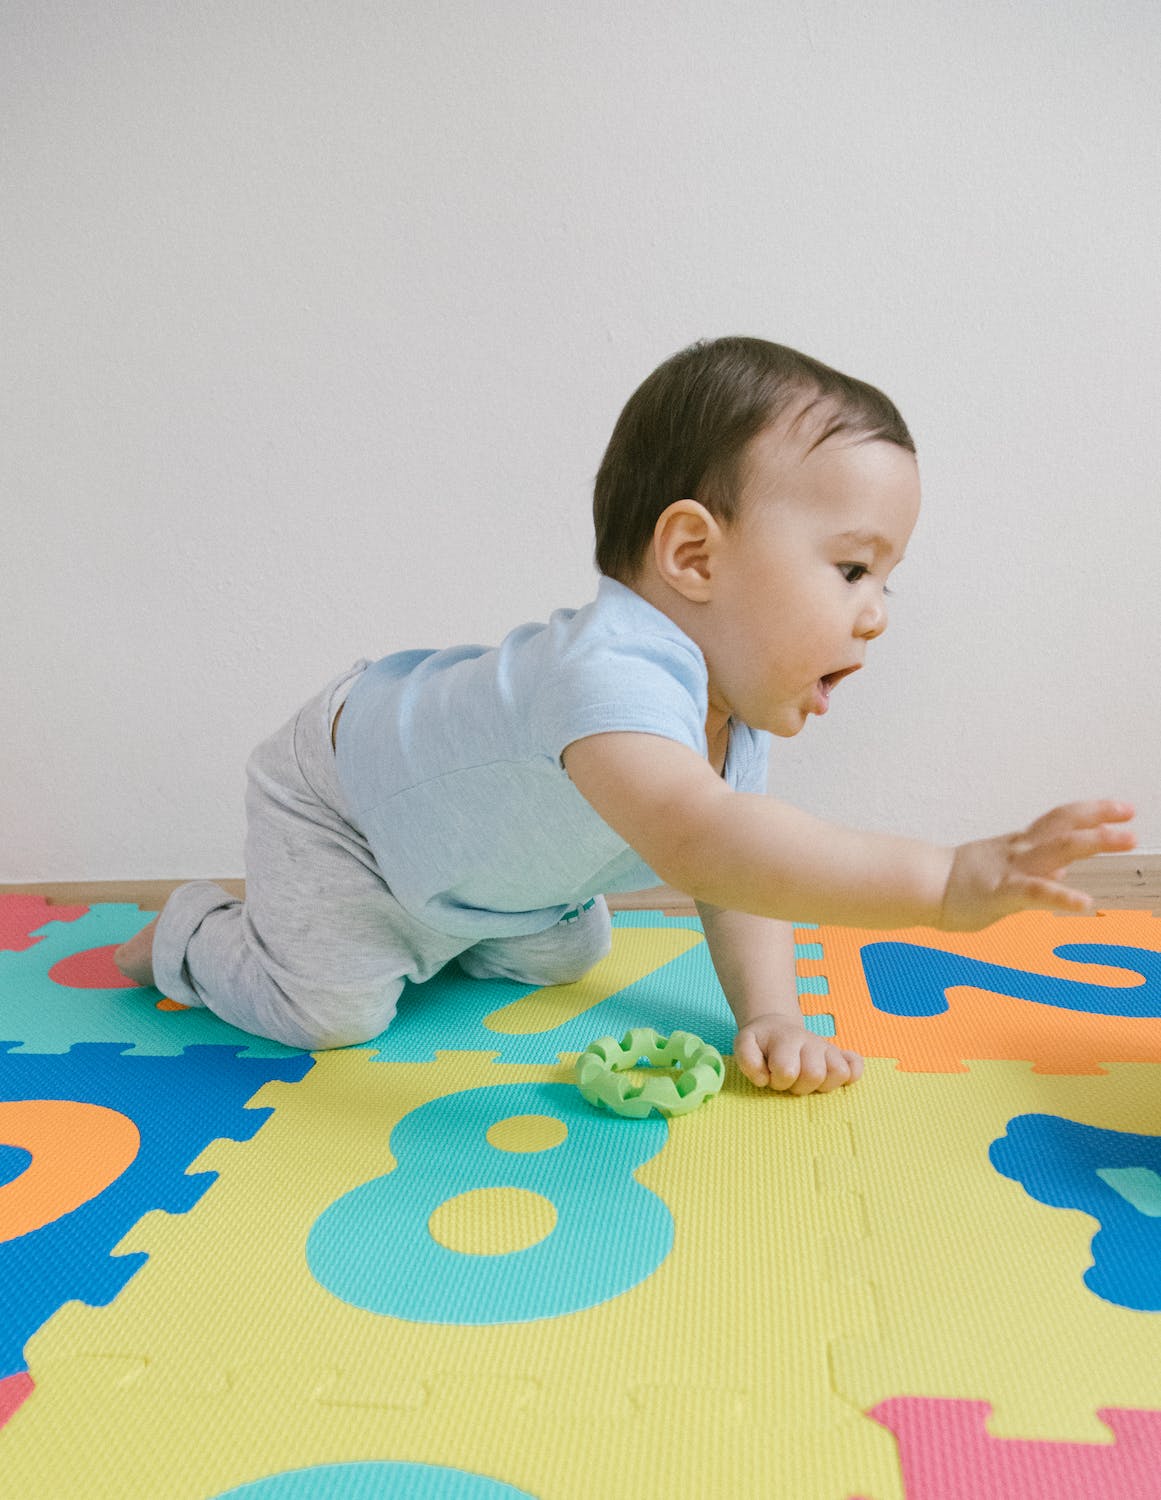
450,761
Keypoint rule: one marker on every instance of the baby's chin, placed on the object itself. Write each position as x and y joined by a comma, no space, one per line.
785,725
783,720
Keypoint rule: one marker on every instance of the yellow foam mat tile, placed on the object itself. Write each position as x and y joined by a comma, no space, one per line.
978,1286
224,1360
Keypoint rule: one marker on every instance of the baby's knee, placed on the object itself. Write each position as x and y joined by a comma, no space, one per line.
345,1021
326,1037
329,1038
583,941
562,955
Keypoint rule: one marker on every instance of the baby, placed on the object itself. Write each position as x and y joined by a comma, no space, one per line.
477,804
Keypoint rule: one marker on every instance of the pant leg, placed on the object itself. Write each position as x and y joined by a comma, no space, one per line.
561,955
317,954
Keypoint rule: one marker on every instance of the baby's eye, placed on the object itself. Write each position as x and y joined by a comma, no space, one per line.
852,572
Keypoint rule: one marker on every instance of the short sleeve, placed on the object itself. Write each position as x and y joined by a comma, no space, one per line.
648,683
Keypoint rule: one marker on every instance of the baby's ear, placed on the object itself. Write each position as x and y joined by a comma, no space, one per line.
685,540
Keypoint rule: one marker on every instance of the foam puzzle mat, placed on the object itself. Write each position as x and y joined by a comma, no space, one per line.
425,1267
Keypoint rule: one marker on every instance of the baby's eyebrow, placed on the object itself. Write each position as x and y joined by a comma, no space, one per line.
865,539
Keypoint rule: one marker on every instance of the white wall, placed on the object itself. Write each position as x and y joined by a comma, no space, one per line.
316,319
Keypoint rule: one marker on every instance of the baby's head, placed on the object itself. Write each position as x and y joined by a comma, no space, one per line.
761,500
685,433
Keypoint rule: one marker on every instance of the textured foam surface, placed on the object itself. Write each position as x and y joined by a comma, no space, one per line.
426,1267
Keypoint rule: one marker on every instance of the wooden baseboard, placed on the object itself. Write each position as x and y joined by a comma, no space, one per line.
1112,880
151,895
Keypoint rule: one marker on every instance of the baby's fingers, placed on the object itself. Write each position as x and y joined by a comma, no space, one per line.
1065,849
1050,895
749,1057
790,1070
1055,855
1062,821
823,1069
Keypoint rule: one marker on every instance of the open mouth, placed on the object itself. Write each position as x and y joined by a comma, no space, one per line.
827,684
832,679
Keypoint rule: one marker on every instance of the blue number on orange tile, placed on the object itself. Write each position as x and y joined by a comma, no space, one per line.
907,979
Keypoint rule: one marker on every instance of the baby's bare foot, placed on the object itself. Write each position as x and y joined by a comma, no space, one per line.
135,958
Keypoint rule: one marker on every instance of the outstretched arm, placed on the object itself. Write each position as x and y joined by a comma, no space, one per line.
749,853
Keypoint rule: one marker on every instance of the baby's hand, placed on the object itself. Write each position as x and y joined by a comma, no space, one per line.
780,1053
994,877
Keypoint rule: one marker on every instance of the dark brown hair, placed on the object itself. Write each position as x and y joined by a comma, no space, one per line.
683,434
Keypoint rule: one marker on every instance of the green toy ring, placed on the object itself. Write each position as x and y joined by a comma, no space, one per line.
702,1073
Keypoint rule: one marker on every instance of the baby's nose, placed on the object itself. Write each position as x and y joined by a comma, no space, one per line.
872,621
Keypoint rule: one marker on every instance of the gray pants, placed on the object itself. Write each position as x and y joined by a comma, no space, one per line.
317,954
